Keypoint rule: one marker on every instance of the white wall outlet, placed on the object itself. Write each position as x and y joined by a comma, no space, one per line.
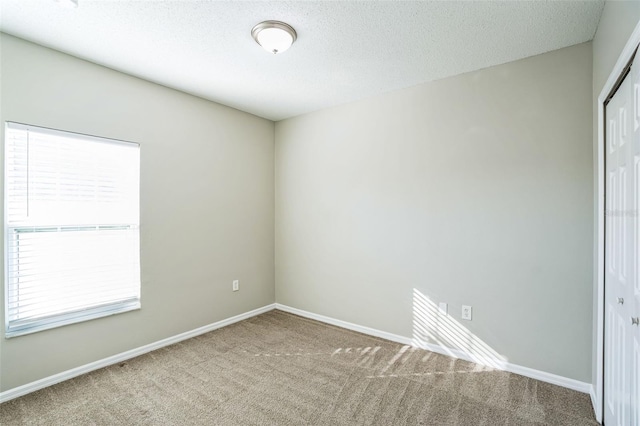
236,285
443,308
466,312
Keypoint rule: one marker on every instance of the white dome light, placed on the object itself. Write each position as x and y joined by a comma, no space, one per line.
274,36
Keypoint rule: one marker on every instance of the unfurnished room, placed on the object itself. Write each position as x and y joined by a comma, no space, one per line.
320,212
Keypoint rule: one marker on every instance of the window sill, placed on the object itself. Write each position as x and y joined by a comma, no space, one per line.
22,327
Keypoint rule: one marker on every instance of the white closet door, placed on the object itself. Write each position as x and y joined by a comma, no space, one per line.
622,250
633,157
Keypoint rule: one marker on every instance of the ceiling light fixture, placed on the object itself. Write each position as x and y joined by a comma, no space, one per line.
274,36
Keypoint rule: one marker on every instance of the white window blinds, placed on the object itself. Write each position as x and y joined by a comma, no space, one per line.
72,227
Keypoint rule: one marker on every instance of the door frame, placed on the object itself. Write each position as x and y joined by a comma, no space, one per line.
597,388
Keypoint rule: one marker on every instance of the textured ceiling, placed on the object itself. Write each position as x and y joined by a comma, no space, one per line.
345,50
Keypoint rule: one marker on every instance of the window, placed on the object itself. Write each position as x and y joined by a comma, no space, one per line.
72,215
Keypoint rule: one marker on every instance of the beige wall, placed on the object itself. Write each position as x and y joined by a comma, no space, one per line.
475,190
207,203
619,19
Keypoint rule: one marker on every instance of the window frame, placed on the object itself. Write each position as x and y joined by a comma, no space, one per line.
19,327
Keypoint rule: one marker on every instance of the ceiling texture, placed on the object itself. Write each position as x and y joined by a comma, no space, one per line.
346,50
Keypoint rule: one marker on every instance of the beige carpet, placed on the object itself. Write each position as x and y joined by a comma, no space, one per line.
280,369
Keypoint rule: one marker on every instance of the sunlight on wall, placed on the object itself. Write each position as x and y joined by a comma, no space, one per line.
430,327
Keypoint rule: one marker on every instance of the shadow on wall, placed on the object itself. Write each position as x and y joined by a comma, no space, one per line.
431,327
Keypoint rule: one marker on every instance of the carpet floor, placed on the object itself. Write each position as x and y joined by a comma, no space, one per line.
281,369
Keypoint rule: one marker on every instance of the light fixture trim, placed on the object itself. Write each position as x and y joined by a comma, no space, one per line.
265,25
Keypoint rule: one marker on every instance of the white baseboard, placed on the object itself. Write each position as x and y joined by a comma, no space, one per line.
69,374
74,372
456,353
597,408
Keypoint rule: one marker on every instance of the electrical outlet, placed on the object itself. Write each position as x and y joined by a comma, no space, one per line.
236,285
466,312
443,308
